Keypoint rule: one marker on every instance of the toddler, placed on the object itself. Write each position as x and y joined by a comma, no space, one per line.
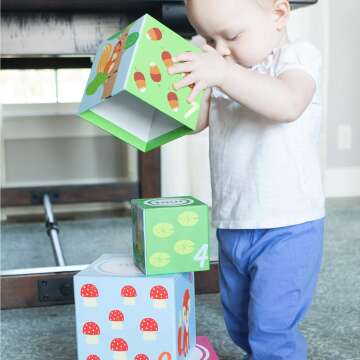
262,106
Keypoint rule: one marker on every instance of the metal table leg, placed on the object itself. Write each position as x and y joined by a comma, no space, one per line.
52,229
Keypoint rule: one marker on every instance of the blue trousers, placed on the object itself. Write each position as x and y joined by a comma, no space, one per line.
267,282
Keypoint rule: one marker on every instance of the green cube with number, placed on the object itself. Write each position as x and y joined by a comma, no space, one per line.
170,235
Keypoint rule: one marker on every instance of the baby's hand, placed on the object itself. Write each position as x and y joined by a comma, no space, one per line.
205,70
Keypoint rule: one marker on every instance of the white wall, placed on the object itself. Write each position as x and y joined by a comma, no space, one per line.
343,130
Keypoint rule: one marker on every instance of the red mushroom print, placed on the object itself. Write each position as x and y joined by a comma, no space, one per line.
89,293
141,357
159,296
120,348
149,327
128,294
93,357
117,319
91,330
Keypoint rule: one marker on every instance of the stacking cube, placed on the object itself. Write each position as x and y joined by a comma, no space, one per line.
170,235
130,93
123,315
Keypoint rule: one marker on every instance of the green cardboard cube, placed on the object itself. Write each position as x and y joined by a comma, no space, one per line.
170,235
130,93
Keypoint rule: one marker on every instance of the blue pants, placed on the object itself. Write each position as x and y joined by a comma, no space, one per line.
267,282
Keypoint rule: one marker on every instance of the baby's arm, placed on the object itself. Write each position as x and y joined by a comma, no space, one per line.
280,99
204,112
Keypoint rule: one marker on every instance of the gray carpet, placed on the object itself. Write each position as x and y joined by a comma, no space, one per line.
332,325
27,245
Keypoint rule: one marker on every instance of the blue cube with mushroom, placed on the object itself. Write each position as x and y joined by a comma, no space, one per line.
121,314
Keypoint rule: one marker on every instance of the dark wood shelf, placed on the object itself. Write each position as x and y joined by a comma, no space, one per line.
100,6
170,12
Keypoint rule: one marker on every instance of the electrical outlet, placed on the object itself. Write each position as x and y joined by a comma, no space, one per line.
56,290
344,139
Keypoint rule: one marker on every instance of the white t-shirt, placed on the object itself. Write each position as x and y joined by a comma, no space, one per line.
266,174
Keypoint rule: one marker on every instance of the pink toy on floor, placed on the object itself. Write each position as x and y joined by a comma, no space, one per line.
203,350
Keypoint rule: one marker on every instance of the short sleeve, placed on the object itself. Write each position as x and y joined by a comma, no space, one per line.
300,55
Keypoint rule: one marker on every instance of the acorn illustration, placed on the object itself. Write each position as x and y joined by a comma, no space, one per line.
140,82
154,34
173,101
167,59
155,73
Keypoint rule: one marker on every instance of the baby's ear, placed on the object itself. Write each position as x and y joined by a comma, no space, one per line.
281,10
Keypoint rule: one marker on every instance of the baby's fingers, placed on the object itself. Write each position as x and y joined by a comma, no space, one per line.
185,67
199,86
187,56
186,81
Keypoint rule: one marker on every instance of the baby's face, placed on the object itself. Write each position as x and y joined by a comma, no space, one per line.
240,30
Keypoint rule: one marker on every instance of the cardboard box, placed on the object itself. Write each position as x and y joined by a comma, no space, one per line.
170,235
123,315
130,93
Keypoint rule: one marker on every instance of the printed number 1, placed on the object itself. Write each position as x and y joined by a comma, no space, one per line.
202,255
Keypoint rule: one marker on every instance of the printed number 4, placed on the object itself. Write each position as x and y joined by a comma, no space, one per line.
202,255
